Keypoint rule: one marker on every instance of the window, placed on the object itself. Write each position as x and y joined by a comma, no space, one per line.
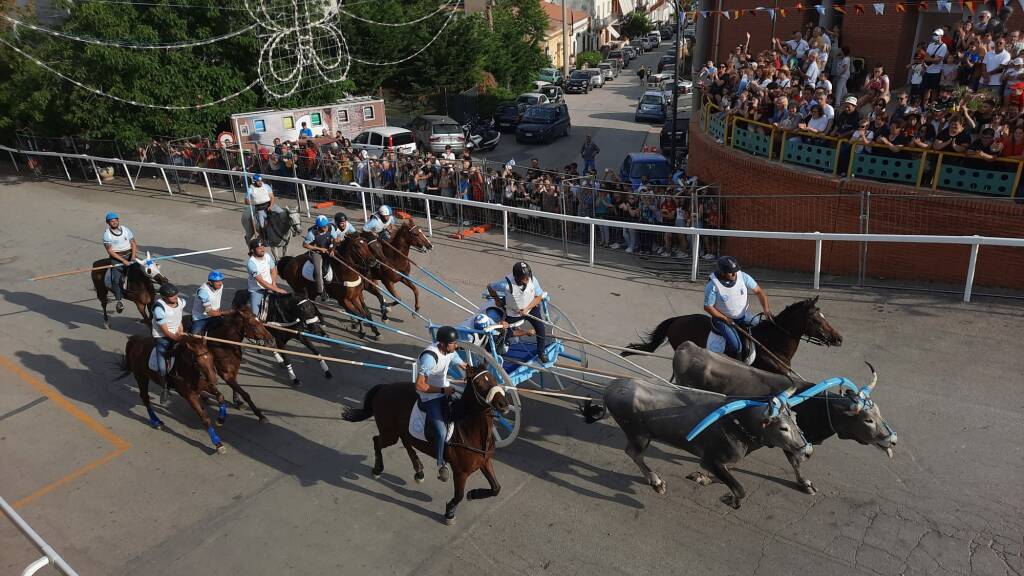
289,122
376,140
244,129
314,119
342,116
367,112
261,126
362,138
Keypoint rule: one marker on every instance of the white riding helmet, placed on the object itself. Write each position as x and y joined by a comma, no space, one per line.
384,210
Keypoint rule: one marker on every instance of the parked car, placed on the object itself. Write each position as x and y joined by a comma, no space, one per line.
619,56
434,132
578,83
667,61
553,93
544,123
637,165
552,75
631,51
653,107
507,115
661,77
656,36
531,99
680,86
640,45
377,141
607,70
596,77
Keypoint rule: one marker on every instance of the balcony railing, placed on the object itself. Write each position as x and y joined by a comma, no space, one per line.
923,168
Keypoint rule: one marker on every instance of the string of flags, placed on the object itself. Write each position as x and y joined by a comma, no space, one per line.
877,8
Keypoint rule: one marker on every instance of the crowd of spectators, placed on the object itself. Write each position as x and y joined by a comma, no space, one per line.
964,93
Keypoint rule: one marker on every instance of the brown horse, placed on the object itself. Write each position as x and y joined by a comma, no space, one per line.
395,254
801,320
346,286
237,325
193,373
138,285
472,445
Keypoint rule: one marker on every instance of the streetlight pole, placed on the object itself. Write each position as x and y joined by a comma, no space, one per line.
675,85
565,40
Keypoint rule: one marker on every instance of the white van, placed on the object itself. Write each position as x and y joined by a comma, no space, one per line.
377,141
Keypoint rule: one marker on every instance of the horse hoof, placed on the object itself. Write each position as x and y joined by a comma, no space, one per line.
219,422
377,472
221,449
263,419
239,405
106,325
731,500
418,477
660,487
808,488
449,520
296,382
700,478
328,375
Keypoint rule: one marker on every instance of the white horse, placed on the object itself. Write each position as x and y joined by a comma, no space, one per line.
281,226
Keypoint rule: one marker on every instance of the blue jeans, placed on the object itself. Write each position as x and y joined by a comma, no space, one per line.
533,318
202,325
261,217
162,346
256,298
435,420
117,276
589,164
733,343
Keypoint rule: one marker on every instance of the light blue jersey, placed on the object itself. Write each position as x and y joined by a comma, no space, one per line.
376,225
334,232
206,298
711,294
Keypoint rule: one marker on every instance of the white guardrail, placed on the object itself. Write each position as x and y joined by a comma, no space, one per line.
50,555
975,242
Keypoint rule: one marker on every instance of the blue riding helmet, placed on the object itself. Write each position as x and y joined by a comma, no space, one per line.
384,210
111,216
495,314
215,276
257,178
322,221
482,321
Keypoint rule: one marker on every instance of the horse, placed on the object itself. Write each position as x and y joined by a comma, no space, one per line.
288,311
395,255
280,228
472,445
192,373
780,335
139,289
346,283
238,324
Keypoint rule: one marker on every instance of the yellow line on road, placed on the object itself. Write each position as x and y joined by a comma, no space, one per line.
120,444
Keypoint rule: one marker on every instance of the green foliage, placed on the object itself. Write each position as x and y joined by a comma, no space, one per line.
636,25
589,59
34,99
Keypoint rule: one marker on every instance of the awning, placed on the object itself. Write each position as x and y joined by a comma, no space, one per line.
613,32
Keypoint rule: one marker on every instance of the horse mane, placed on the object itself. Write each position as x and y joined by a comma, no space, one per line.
796,306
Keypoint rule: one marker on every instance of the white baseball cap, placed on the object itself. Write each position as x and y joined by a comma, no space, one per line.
938,32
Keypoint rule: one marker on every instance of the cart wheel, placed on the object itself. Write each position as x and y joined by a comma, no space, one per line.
572,352
506,426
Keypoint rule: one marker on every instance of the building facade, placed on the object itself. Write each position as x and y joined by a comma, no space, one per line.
579,34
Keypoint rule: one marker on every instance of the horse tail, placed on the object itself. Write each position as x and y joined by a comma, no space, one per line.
592,412
364,413
652,340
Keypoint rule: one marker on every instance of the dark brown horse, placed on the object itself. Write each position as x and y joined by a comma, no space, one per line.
347,284
193,373
472,445
801,320
239,324
395,256
138,285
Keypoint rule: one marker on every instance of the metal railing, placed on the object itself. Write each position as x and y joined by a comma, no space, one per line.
919,167
50,555
366,198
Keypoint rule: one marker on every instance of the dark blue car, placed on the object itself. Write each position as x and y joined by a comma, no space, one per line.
639,164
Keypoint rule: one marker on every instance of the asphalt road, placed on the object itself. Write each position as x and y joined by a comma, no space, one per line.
606,114
295,495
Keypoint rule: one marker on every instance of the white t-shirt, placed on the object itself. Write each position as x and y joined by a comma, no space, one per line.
259,267
812,73
121,242
819,124
936,50
994,60
259,194
798,46
917,73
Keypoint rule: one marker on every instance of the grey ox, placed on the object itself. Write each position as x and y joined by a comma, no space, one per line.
672,414
834,407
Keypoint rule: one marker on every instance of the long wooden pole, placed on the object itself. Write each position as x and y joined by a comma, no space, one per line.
631,350
80,270
301,354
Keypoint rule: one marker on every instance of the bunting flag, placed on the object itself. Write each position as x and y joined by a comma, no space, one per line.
782,11
901,8
820,9
1021,2
771,11
754,11
879,8
859,8
798,6
839,9
726,13
945,5
704,14
969,4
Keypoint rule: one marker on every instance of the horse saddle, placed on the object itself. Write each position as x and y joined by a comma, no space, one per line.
153,361
716,343
307,271
418,422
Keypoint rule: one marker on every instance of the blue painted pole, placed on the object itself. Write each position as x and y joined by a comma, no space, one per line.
385,327
345,343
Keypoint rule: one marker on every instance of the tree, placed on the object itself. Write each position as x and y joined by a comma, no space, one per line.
636,25
589,59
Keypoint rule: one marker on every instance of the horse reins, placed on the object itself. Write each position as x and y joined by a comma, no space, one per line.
769,353
816,340
483,402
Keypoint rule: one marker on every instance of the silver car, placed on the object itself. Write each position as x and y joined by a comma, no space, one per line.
435,133
607,70
596,77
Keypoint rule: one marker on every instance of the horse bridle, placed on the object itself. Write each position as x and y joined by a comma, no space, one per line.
486,406
816,340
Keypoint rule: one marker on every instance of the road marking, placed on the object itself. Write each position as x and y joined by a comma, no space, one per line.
120,445
23,408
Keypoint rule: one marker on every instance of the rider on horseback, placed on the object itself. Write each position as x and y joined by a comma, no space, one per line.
380,225
262,275
523,295
319,239
433,388
167,325
121,247
261,197
343,226
206,306
725,299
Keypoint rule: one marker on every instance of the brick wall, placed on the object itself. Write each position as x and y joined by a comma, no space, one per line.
759,195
